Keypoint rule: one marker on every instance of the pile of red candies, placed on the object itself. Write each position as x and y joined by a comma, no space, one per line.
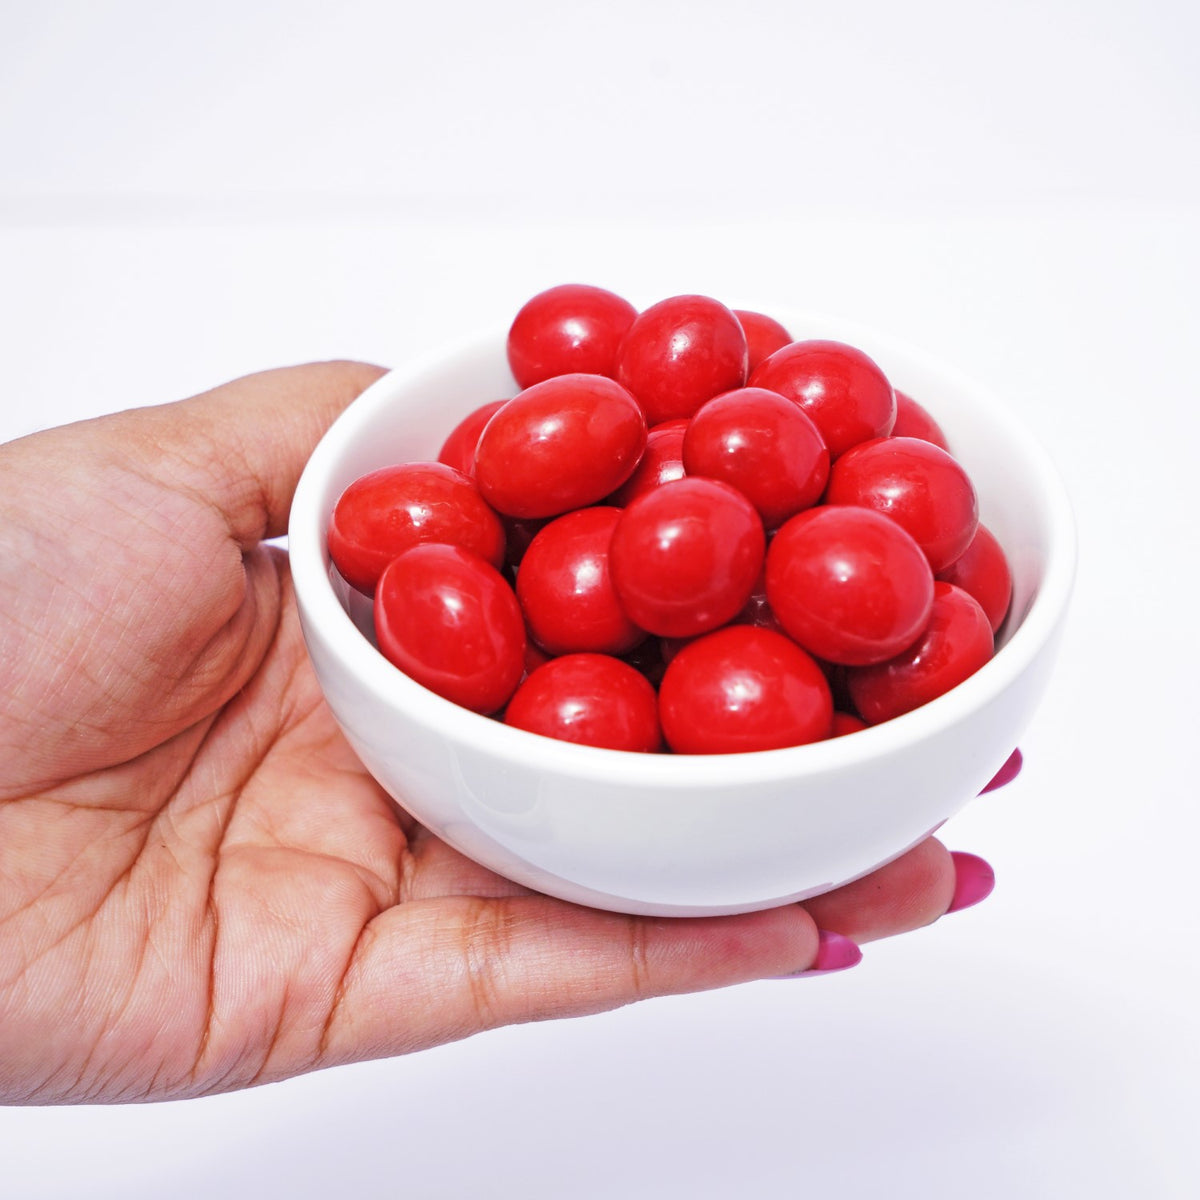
687,532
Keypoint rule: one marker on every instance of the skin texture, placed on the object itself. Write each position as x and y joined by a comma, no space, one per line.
200,888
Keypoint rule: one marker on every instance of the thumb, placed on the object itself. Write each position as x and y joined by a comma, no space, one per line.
132,606
243,445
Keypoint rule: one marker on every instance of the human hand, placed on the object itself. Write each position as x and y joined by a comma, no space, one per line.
201,889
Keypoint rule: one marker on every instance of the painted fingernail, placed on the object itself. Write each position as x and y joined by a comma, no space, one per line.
974,880
1007,773
834,953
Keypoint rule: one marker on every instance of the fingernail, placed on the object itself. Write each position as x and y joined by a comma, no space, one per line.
974,880
834,953
1007,773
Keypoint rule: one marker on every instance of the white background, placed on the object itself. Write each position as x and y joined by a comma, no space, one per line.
189,192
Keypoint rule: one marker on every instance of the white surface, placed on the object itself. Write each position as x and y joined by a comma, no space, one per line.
189,196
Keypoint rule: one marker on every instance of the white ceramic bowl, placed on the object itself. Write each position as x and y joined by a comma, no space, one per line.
682,835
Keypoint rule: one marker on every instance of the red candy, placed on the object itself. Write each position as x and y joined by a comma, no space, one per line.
382,514
848,585
458,450
743,688
627,490
535,657
918,486
764,335
845,393
844,723
982,570
685,556
569,329
956,642
681,352
449,620
592,699
763,445
565,587
913,421
559,445
661,463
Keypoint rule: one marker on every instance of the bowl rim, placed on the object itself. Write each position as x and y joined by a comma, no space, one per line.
321,608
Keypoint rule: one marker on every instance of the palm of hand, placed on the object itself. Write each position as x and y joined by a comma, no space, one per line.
192,855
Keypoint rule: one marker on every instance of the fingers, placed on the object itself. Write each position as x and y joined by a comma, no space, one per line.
433,971
134,608
243,445
913,890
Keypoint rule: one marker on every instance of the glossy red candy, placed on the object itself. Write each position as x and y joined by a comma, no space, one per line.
764,335
848,585
661,463
458,450
743,688
628,490
535,657
957,641
838,386
763,445
591,699
570,329
913,421
982,570
559,445
384,513
565,587
685,556
918,486
844,723
681,352
449,620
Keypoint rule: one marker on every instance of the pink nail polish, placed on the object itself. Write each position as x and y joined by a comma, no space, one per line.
834,953
974,880
1007,773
